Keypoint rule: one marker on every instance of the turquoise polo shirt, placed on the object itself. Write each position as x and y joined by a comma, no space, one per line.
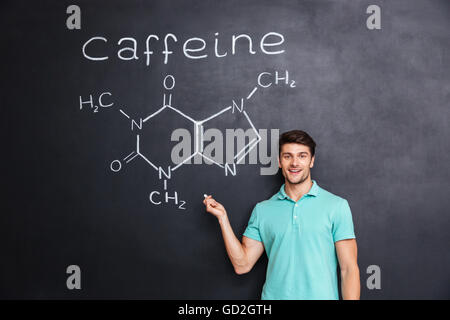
299,239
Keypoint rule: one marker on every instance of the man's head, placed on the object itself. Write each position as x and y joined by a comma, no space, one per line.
296,156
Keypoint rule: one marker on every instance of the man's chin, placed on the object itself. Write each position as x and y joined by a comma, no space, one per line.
297,181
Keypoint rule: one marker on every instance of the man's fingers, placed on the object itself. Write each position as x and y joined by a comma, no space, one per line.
207,198
209,202
212,203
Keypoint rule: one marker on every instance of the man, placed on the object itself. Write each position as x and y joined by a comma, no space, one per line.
305,230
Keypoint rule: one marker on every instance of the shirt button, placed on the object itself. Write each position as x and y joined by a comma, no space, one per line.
296,205
295,217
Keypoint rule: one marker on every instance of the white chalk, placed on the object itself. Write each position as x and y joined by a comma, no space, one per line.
205,195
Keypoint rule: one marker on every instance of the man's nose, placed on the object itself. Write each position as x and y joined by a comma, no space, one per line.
296,161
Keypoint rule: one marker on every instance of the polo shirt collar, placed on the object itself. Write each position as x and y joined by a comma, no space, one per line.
312,192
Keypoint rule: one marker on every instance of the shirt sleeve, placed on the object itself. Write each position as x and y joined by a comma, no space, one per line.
343,223
252,230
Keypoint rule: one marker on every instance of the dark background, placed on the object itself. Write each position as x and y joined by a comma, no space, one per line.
375,101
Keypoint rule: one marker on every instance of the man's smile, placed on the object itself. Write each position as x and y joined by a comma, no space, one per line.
294,171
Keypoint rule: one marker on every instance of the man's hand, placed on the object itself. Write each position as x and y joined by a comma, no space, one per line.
242,255
214,207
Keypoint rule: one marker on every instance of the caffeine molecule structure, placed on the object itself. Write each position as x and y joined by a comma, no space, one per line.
169,84
265,80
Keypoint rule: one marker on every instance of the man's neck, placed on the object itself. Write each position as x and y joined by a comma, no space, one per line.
296,191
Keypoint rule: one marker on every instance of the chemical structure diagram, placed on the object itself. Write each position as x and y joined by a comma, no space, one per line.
158,197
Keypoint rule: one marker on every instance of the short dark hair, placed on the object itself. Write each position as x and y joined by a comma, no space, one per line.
297,136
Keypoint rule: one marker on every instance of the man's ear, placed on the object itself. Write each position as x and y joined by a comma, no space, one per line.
312,162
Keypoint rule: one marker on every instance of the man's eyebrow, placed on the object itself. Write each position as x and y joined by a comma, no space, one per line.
301,152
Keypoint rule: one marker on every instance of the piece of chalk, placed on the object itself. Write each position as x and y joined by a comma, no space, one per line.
205,195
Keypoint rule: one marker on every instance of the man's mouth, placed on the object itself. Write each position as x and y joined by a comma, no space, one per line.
294,171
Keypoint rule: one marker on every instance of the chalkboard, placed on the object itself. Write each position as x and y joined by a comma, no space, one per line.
100,97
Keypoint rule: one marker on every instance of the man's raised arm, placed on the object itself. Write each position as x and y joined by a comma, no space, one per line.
243,256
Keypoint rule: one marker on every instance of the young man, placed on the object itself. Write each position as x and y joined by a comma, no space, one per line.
305,230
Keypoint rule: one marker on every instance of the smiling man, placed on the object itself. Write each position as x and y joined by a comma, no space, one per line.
305,230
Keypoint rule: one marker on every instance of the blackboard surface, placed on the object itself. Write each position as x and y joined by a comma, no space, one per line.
375,101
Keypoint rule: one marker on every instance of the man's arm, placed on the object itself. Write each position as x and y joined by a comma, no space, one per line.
243,256
347,255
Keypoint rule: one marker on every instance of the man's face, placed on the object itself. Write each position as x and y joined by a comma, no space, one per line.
295,161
